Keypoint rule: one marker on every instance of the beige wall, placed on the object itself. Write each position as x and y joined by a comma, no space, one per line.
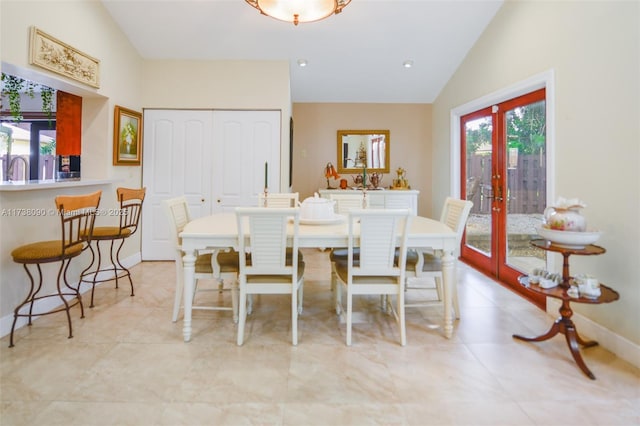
86,26
127,81
593,49
222,85
315,128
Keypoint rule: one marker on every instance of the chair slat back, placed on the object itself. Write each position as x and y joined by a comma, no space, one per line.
177,213
455,214
264,235
381,232
396,201
77,214
346,202
278,200
130,207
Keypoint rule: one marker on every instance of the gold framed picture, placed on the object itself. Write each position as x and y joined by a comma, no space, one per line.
127,137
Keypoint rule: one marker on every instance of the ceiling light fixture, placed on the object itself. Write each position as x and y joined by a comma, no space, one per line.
302,62
297,11
407,64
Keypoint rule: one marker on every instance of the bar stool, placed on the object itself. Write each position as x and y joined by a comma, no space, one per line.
129,214
77,214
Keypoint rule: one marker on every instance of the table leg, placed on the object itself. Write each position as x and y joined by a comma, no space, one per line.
572,341
565,325
555,329
189,266
448,277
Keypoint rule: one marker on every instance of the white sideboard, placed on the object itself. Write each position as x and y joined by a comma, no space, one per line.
383,198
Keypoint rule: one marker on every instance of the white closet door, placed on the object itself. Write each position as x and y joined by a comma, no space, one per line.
244,142
176,161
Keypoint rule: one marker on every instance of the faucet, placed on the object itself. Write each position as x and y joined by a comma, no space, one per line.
12,164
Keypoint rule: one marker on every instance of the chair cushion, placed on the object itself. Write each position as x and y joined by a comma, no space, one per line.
253,279
431,263
44,251
340,254
203,264
342,269
109,232
289,257
228,261
412,259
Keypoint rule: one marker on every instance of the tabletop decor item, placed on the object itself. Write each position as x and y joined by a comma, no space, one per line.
330,172
564,226
400,182
565,215
376,179
588,286
317,208
569,239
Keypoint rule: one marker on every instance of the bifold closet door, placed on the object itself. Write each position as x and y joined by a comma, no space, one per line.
216,159
246,154
177,160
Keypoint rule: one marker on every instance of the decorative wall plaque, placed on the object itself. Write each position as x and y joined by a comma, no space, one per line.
54,55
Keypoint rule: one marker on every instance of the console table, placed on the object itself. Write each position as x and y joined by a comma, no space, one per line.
564,324
383,198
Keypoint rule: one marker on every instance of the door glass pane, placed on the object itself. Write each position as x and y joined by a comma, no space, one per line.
478,137
47,154
526,183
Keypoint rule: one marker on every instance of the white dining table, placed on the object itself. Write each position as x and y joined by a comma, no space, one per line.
219,231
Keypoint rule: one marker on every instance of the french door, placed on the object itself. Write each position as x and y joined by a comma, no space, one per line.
503,170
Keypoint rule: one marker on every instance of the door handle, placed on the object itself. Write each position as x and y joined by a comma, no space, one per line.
497,190
495,209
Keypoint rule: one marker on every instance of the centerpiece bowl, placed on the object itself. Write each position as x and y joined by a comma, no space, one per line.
569,239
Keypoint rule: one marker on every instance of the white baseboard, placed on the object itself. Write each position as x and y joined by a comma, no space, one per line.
50,303
622,347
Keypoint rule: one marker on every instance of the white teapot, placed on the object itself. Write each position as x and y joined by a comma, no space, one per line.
317,207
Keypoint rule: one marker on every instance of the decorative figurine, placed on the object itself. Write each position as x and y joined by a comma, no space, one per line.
400,182
330,172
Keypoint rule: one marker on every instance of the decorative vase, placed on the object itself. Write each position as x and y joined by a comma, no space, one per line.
565,219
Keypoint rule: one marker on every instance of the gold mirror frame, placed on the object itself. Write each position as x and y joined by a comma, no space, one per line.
357,146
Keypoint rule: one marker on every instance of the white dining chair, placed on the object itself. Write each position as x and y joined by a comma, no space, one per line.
270,262
423,265
221,266
278,199
381,235
344,203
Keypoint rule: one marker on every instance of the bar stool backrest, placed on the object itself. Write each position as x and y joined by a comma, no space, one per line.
130,208
77,214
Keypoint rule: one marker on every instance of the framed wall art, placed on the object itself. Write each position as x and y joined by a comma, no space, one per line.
54,55
127,138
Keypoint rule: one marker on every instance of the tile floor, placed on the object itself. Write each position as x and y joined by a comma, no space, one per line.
127,364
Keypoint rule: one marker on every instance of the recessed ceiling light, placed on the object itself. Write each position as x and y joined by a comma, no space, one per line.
407,64
302,62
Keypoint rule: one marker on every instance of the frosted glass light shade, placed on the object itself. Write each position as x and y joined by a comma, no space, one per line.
297,11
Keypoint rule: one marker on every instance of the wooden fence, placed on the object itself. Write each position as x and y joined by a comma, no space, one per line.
526,183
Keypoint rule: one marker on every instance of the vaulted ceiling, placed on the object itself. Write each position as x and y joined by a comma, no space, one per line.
356,56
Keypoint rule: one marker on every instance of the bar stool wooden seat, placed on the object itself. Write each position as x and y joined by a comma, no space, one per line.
77,214
129,216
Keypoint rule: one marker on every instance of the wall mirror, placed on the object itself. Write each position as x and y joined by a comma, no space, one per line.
357,148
